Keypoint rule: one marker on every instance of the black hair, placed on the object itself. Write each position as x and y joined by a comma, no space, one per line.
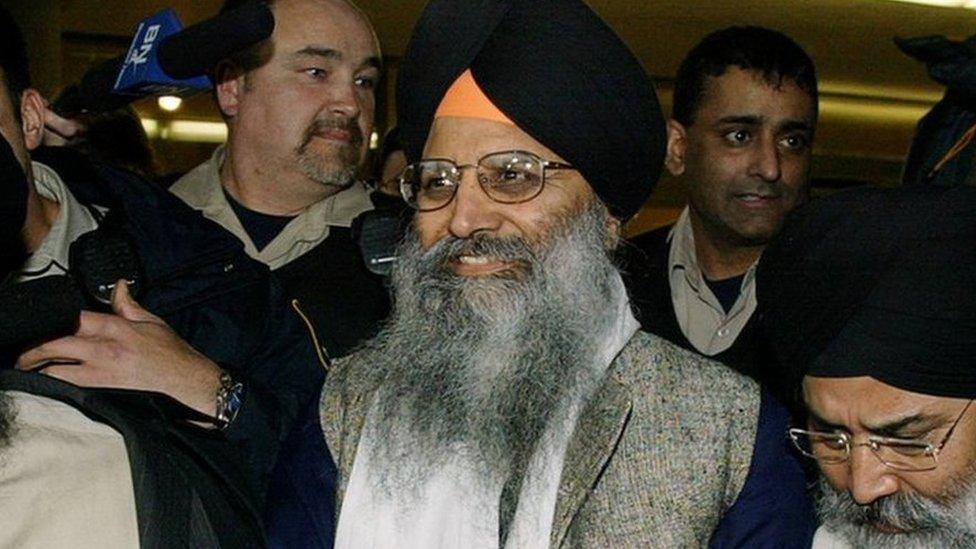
771,53
13,59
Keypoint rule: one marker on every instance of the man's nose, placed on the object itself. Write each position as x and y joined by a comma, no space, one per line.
869,479
472,211
766,160
343,100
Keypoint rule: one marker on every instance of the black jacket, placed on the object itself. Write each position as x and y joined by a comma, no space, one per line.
644,261
226,305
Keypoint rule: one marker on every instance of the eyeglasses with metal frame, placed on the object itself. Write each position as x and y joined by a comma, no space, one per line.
507,177
897,453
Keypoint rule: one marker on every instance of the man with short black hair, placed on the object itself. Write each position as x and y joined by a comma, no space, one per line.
740,139
868,296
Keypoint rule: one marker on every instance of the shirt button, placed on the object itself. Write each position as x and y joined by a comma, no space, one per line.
722,332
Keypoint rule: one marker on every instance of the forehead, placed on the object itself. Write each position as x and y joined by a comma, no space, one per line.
465,140
333,24
743,92
865,400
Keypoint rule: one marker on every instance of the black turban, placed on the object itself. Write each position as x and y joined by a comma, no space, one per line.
878,283
556,70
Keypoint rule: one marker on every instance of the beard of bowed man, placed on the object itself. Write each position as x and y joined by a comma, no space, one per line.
946,521
482,365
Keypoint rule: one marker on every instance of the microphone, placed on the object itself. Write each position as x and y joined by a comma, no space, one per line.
198,48
142,74
165,59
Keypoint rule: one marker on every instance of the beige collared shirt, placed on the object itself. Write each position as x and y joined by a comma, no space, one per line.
700,315
73,220
202,190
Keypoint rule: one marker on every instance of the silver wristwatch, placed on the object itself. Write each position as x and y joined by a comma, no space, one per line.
230,397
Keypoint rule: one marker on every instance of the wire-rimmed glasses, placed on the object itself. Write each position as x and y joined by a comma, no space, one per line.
508,177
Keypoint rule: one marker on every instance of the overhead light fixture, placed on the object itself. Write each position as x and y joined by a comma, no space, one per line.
969,4
169,103
191,131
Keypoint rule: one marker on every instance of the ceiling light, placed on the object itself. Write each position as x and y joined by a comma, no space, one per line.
169,102
971,4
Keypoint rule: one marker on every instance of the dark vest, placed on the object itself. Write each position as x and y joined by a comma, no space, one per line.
644,261
342,299
189,485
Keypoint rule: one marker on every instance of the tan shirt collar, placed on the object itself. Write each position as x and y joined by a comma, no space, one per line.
202,190
73,220
700,315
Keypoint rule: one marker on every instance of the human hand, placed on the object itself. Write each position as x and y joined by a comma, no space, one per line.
58,131
130,349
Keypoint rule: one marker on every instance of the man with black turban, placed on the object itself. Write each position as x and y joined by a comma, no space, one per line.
870,296
511,400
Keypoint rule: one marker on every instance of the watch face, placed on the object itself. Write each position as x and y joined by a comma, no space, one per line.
230,398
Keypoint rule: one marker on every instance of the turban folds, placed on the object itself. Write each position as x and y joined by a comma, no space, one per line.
553,68
879,283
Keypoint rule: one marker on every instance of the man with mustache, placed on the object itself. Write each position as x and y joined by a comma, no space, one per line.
869,294
299,110
511,399
740,139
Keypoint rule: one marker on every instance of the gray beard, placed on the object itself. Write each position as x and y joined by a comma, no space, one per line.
483,364
948,522
7,416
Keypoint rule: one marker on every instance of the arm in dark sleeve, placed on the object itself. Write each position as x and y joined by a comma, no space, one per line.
774,508
282,377
300,509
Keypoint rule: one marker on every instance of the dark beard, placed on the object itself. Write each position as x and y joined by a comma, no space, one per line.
334,169
946,522
483,364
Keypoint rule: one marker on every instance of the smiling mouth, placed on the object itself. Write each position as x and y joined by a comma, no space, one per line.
482,265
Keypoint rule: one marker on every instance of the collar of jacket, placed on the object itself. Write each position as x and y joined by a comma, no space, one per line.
170,238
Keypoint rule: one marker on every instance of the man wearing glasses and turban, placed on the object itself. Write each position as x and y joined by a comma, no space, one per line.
870,295
511,400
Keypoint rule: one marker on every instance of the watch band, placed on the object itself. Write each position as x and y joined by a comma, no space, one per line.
230,398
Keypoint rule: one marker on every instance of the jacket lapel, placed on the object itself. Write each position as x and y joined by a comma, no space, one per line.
599,428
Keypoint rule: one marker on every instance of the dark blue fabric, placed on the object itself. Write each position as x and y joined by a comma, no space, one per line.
726,291
300,511
261,227
223,303
774,508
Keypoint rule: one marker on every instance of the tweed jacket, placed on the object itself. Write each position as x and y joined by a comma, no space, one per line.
659,453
